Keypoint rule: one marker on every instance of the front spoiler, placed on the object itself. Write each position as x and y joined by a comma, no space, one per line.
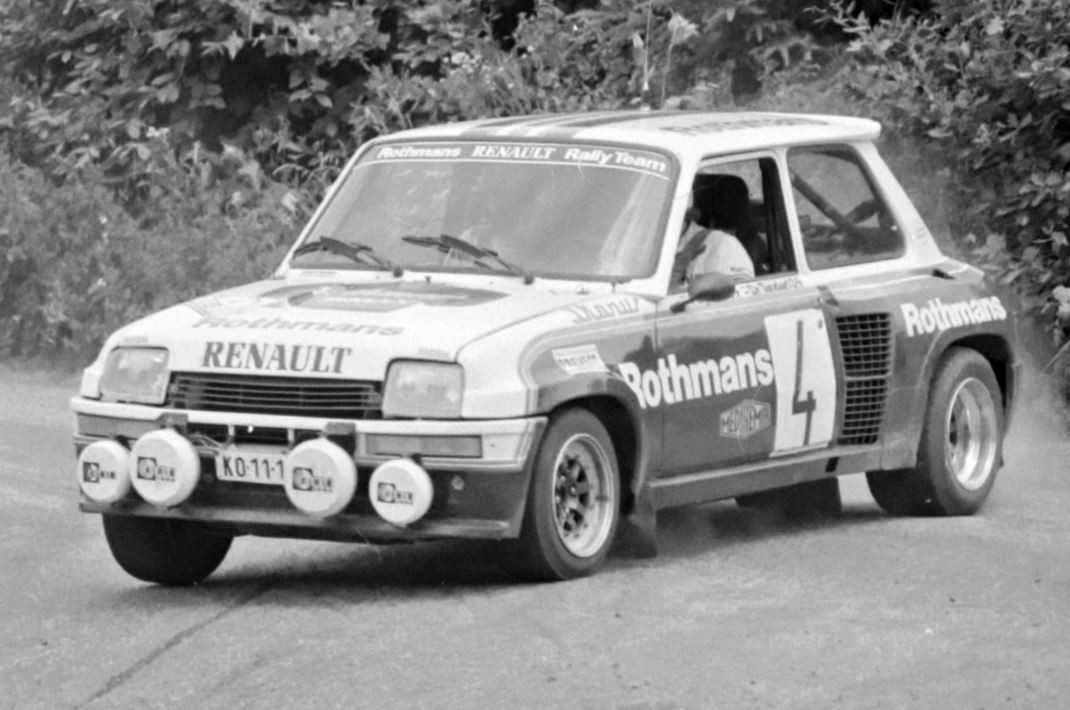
475,497
235,520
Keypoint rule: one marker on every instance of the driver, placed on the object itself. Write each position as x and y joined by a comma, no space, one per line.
706,246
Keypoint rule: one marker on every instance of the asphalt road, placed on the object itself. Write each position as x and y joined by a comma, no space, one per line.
738,610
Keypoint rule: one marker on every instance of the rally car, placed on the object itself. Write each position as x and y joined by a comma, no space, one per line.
487,331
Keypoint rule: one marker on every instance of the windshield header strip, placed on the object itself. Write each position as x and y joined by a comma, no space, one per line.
640,161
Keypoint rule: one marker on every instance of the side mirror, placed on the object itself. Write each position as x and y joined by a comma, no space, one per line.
707,287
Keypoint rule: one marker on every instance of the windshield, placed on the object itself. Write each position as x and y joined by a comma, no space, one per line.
545,209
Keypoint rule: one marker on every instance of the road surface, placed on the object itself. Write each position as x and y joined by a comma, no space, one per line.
738,611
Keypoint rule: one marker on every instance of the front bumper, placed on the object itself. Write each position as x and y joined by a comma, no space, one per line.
480,494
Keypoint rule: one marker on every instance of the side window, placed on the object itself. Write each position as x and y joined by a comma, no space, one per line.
742,199
842,217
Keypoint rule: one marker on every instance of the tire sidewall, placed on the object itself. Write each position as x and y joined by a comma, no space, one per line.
545,548
949,495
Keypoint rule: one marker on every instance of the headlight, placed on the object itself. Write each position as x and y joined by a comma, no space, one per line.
425,390
135,375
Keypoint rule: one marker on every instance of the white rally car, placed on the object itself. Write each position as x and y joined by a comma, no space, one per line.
492,330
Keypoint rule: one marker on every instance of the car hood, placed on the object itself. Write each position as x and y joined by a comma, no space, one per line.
333,329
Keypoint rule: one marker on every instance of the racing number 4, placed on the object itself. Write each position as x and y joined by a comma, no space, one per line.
805,380
805,406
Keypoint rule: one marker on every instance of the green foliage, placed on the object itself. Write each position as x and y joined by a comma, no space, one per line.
106,74
760,36
558,63
987,82
182,142
74,265
160,131
298,84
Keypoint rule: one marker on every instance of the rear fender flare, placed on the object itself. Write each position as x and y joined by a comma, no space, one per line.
994,347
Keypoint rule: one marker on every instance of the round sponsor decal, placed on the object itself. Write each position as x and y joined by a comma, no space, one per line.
378,297
103,471
401,491
319,477
164,468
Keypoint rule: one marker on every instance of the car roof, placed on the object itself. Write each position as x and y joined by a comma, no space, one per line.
681,132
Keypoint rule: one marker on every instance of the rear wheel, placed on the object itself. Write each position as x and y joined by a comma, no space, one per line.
961,444
174,553
573,503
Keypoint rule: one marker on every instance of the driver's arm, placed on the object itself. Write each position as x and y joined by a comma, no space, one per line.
724,254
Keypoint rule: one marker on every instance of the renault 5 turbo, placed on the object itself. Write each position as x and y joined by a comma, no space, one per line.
490,330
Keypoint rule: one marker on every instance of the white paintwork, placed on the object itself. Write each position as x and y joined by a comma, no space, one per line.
492,340
806,376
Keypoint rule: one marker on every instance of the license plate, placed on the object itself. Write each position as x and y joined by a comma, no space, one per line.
249,465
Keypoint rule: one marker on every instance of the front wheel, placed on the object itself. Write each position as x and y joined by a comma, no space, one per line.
961,444
174,553
573,502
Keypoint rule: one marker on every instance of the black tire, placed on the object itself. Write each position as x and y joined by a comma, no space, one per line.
961,445
573,505
174,553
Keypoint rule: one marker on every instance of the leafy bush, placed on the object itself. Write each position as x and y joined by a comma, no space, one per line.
987,82
298,84
179,144
75,265
558,63
158,131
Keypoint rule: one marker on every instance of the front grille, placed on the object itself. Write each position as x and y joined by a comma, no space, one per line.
335,399
866,343
272,436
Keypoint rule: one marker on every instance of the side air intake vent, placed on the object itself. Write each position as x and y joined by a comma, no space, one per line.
867,357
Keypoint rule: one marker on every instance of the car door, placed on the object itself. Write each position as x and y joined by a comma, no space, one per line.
743,380
752,376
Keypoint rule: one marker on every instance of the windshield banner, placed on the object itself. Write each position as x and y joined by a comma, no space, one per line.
548,153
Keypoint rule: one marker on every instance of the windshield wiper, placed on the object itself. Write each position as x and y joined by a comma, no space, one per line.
354,251
445,243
